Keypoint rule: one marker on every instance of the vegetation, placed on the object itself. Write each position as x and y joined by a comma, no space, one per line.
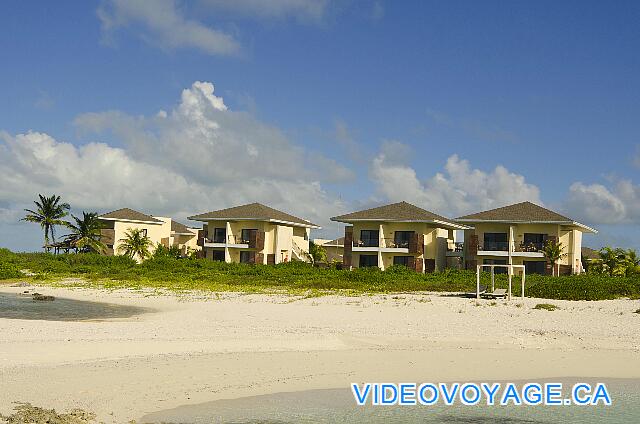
616,262
553,252
26,413
167,272
135,244
546,306
49,213
85,233
167,252
8,271
317,252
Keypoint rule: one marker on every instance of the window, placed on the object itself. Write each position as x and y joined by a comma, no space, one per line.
144,232
402,260
368,260
533,242
306,235
246,257
495,241
245,235
497,270
218,255
369,238
402,238
535,267
219,235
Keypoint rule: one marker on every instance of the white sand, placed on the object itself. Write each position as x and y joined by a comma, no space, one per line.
199,348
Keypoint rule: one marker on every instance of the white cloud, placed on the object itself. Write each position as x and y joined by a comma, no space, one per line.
197,157
598,204
377,10
203,140
458,190
305,10
165,25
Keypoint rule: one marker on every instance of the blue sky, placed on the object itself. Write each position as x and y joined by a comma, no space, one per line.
371,101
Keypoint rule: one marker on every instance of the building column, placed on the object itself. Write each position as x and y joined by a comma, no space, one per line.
511,246
380,244
277,244
227,232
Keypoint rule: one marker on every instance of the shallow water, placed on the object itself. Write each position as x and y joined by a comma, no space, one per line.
14,306
337,405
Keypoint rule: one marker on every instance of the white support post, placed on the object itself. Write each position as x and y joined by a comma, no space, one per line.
478,282
227,234
509,294
493,278
523,278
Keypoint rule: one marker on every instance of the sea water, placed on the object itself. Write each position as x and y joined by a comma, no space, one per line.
17,306
338,406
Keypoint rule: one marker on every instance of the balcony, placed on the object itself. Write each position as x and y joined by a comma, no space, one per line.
248,239
495,246
413,244
455,250
529,250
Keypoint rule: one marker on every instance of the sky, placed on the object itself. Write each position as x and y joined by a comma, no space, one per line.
321,107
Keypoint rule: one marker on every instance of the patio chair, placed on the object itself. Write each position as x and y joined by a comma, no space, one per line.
496,294
483,289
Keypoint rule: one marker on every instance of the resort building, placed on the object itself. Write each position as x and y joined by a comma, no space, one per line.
333,248
398,234
516,235
255,234
160,230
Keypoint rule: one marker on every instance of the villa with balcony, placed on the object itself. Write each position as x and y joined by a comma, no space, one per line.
254,234
398,234
516,235
160,230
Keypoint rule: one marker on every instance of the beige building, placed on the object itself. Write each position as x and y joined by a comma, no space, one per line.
517,233
334,248
254,233
160,230
398,234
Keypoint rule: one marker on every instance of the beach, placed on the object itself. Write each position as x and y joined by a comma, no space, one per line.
196,347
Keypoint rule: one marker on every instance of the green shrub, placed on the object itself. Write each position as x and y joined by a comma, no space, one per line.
8,271
546,306
166,271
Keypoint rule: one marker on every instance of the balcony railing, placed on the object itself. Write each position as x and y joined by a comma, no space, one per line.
495,245
234,239
504,246
531,247
457,247
396,243
366,243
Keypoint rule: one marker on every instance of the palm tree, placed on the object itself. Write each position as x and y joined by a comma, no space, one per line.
553,252
85,233
632,262
135,244
48,214
613,260
317,252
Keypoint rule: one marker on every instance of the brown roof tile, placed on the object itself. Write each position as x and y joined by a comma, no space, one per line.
519,212
523,212
589,253
130,215
177,227
256,211
401,211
